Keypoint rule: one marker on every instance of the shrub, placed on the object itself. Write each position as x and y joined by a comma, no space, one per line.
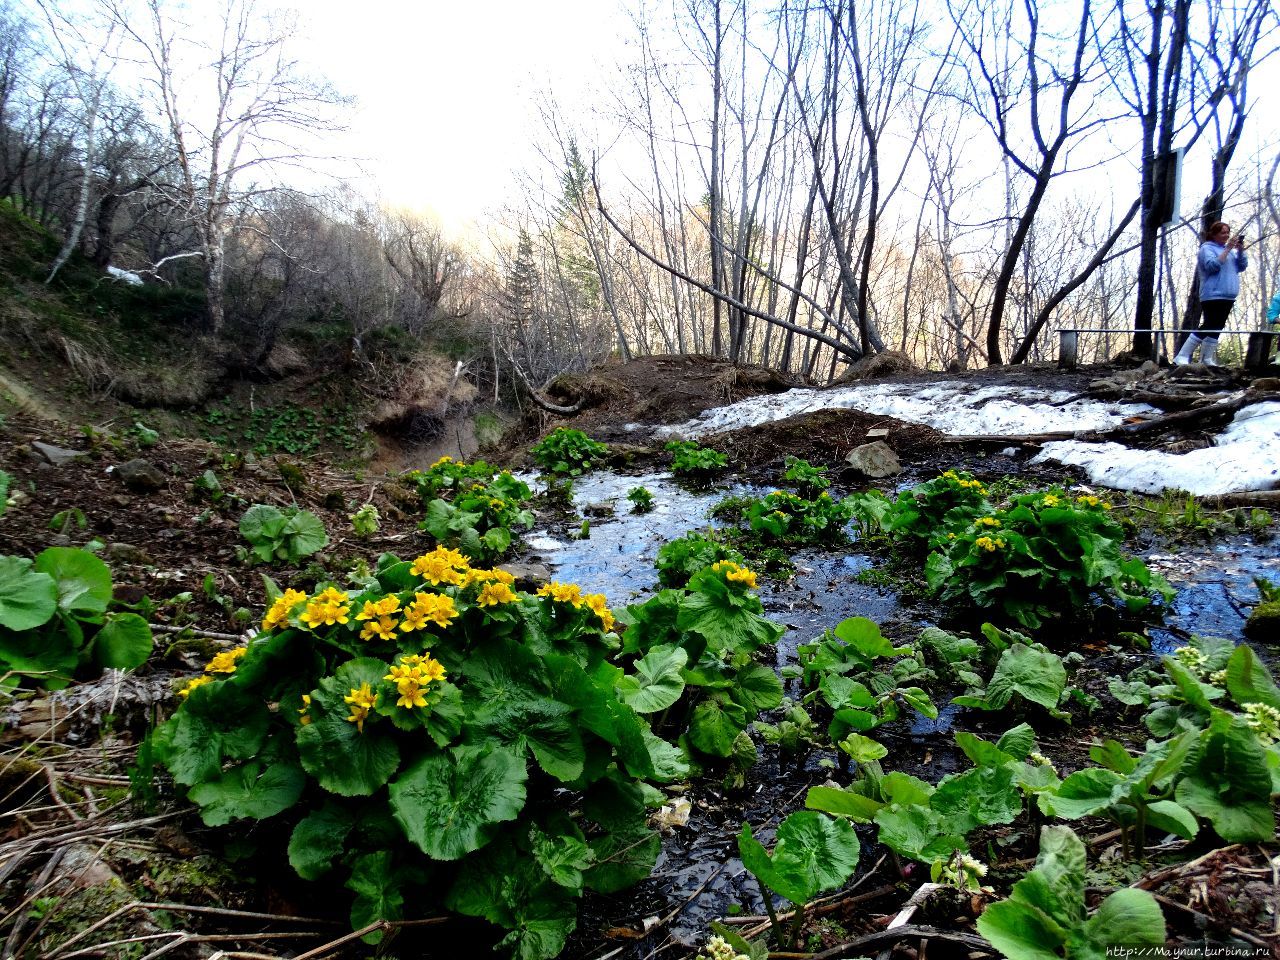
789,519
418,739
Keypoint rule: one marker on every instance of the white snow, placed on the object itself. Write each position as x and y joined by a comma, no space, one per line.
126,276
1245,456
954,407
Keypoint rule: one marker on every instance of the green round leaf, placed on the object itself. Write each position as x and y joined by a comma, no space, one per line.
813,853
84,581
449,808
124,642
28,597
248,791
657,682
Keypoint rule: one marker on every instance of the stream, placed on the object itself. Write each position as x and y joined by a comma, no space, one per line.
698,875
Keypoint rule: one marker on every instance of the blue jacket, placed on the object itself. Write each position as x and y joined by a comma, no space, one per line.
1220,280
1273,311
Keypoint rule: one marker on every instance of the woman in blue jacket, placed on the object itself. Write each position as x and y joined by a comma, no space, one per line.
1221,259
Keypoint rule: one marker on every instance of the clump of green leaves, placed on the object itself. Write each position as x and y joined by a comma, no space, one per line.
1040,554
447,476
143,436
54,619
695,463
863,678
6,481
210,486
415,741
568,451
286,428
1046,914
804,476
696,660
365,520
641,499
481,517
285,535
785,518
681,558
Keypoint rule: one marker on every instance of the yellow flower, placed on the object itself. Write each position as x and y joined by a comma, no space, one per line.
441,565
598,605
384,628
1092,501
305,717
325,612
225,662
332,595
428,608
197,682
415,618
493,594
988,544
283,606
734,573
562,592
412,676
1050,501
495,575
987,522
441,462
373,609
362,700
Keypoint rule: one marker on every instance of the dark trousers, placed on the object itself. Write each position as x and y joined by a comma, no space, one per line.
1215,317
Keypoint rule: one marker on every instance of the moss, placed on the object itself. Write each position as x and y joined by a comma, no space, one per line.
70,915
1263,625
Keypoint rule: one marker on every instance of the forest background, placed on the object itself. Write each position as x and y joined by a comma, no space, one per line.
794,184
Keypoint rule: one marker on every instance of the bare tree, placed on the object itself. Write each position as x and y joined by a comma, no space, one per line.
258,106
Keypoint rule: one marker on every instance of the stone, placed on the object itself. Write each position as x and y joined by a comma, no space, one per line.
126,553
1263,625
875,460
881,433
601,508
1149,368
140,476
531,574
58,456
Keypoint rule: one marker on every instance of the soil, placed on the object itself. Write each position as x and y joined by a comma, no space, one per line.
174,541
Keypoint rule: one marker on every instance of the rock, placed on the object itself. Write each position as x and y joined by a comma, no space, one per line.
879,434
126,553
530,574
875,460
58,456
1149,368
1263,625
140,476
601,508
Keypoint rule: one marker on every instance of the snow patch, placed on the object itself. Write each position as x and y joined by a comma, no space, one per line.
1245,456
952,406
125,276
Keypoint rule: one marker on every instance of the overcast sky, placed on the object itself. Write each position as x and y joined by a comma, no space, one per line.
444,87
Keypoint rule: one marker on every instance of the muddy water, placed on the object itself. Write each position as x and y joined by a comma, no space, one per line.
699,876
